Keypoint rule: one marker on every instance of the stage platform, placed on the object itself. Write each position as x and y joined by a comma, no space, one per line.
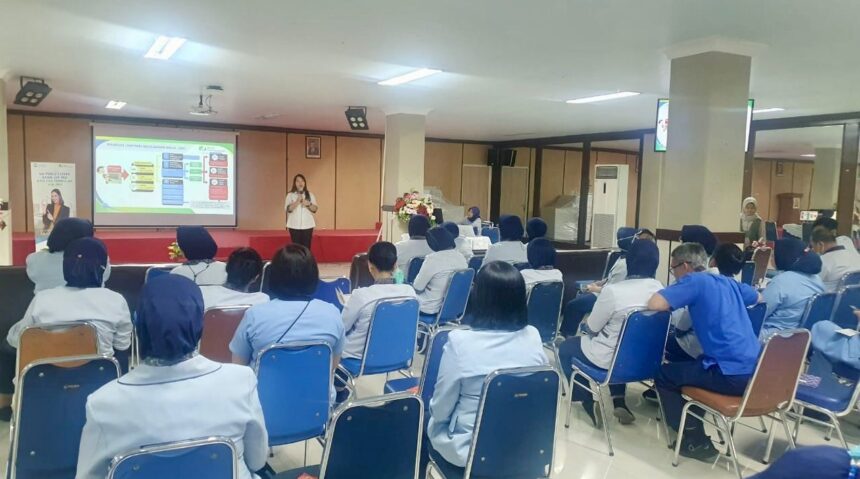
150,246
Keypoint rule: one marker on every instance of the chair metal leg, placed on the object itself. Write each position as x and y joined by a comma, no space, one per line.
797,423
680,436
791,442
719,432
732,447
663,420
763,426
569,404
603,414
769,448
565,387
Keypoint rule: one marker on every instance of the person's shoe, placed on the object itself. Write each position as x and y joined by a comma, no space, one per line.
703,450
591,411
5,414
624,415
650,395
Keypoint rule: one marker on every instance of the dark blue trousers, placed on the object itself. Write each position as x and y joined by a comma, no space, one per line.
574,312
572,348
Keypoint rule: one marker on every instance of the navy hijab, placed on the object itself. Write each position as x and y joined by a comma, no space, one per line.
699,234
418,226
169,317
510,228
84,263
196,243
67,230
790,254
642,259
474,213
541,253
625,237
452,228
536,228
439,239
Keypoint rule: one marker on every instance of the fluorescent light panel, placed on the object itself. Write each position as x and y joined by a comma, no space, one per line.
611,96
411,76
115,105
164,47
768,110
809,155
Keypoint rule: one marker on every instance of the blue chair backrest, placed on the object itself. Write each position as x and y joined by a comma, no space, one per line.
391,336
819,308
475,262
294,385
156,271
770,233
756,314
611,259
456,296
431,365
413,268
515,403
843,313
849,279
51,412
544,308
640,347
326,291
839,382
374,438
748,273
491,232
212,458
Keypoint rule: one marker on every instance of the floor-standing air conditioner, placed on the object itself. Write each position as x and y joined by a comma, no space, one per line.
610,204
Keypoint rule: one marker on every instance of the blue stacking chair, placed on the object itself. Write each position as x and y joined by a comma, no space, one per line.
756,313
427,384
50,414
637,358
453,307
544,312
390,342
516,403
212,458
156,271
475,262
294,385
372,438
849,279
819,308
843,313
327,291
491,232
413,269
747,273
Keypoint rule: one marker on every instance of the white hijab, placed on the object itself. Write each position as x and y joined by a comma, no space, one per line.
747,220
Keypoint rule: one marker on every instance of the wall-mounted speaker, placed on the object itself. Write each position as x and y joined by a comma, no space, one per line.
502,157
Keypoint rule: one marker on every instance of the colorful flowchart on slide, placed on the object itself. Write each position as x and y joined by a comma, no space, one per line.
146,175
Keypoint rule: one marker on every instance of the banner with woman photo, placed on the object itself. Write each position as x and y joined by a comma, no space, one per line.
53,187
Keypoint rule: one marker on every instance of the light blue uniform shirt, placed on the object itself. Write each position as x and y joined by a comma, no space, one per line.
835,346
786,296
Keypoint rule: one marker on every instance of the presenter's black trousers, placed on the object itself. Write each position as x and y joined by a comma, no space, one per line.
302,237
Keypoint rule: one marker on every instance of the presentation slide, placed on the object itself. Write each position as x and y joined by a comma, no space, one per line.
163,176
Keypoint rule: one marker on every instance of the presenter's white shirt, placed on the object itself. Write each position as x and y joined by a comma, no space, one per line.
106,309
300,218
512,252
45,270
411,248
358,310
215,296
204,273
535,276
431,284
835,263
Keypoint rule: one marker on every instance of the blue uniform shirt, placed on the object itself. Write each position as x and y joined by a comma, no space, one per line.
718,312
786,296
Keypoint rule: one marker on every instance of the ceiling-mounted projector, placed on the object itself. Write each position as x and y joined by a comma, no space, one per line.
203,107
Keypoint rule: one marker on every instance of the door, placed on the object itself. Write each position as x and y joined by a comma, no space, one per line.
515,191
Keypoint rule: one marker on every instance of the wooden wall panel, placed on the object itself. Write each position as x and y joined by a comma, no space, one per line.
261,188
320,173
551,177
476,187
443,166
802,182
358,180
779,184
62,140
18,174
572,172
475,154
761,186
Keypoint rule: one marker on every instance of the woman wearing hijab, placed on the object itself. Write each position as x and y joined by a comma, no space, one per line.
541,268
473,218
461,245
788,293
751,223
699,234
174,394
536,228
416,246
199,249
603,327
510,247
45,268
431,284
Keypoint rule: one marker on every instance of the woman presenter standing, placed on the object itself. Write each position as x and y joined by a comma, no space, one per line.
301,206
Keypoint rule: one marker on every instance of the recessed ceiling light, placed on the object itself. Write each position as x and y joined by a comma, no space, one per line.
768,110
164,47
115,105
411,76
268,116
809,155
611,96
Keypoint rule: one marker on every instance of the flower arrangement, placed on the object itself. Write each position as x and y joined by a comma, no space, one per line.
174,252
411,204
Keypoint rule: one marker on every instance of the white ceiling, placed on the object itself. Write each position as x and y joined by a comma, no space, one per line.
509,64
794,142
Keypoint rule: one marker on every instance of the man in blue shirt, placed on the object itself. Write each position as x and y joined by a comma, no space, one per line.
717,306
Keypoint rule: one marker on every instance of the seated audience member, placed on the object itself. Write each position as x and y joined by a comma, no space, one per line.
416,246
199,249
243,269
541,254
577,308
699,234
820,462
382,263
836,260
174,394
292,315
461,245
473,218
717,307
751,224
536,228
510,247
788,293
604,324
83,298
499,339
838,347
833,226
45,267
431,284
727,260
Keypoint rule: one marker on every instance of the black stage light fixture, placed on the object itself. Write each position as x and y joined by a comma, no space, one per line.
33,92
357,117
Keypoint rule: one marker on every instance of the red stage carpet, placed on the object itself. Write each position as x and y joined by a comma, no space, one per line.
147,246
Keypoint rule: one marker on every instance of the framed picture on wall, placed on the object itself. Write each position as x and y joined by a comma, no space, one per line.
313,147
780,168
